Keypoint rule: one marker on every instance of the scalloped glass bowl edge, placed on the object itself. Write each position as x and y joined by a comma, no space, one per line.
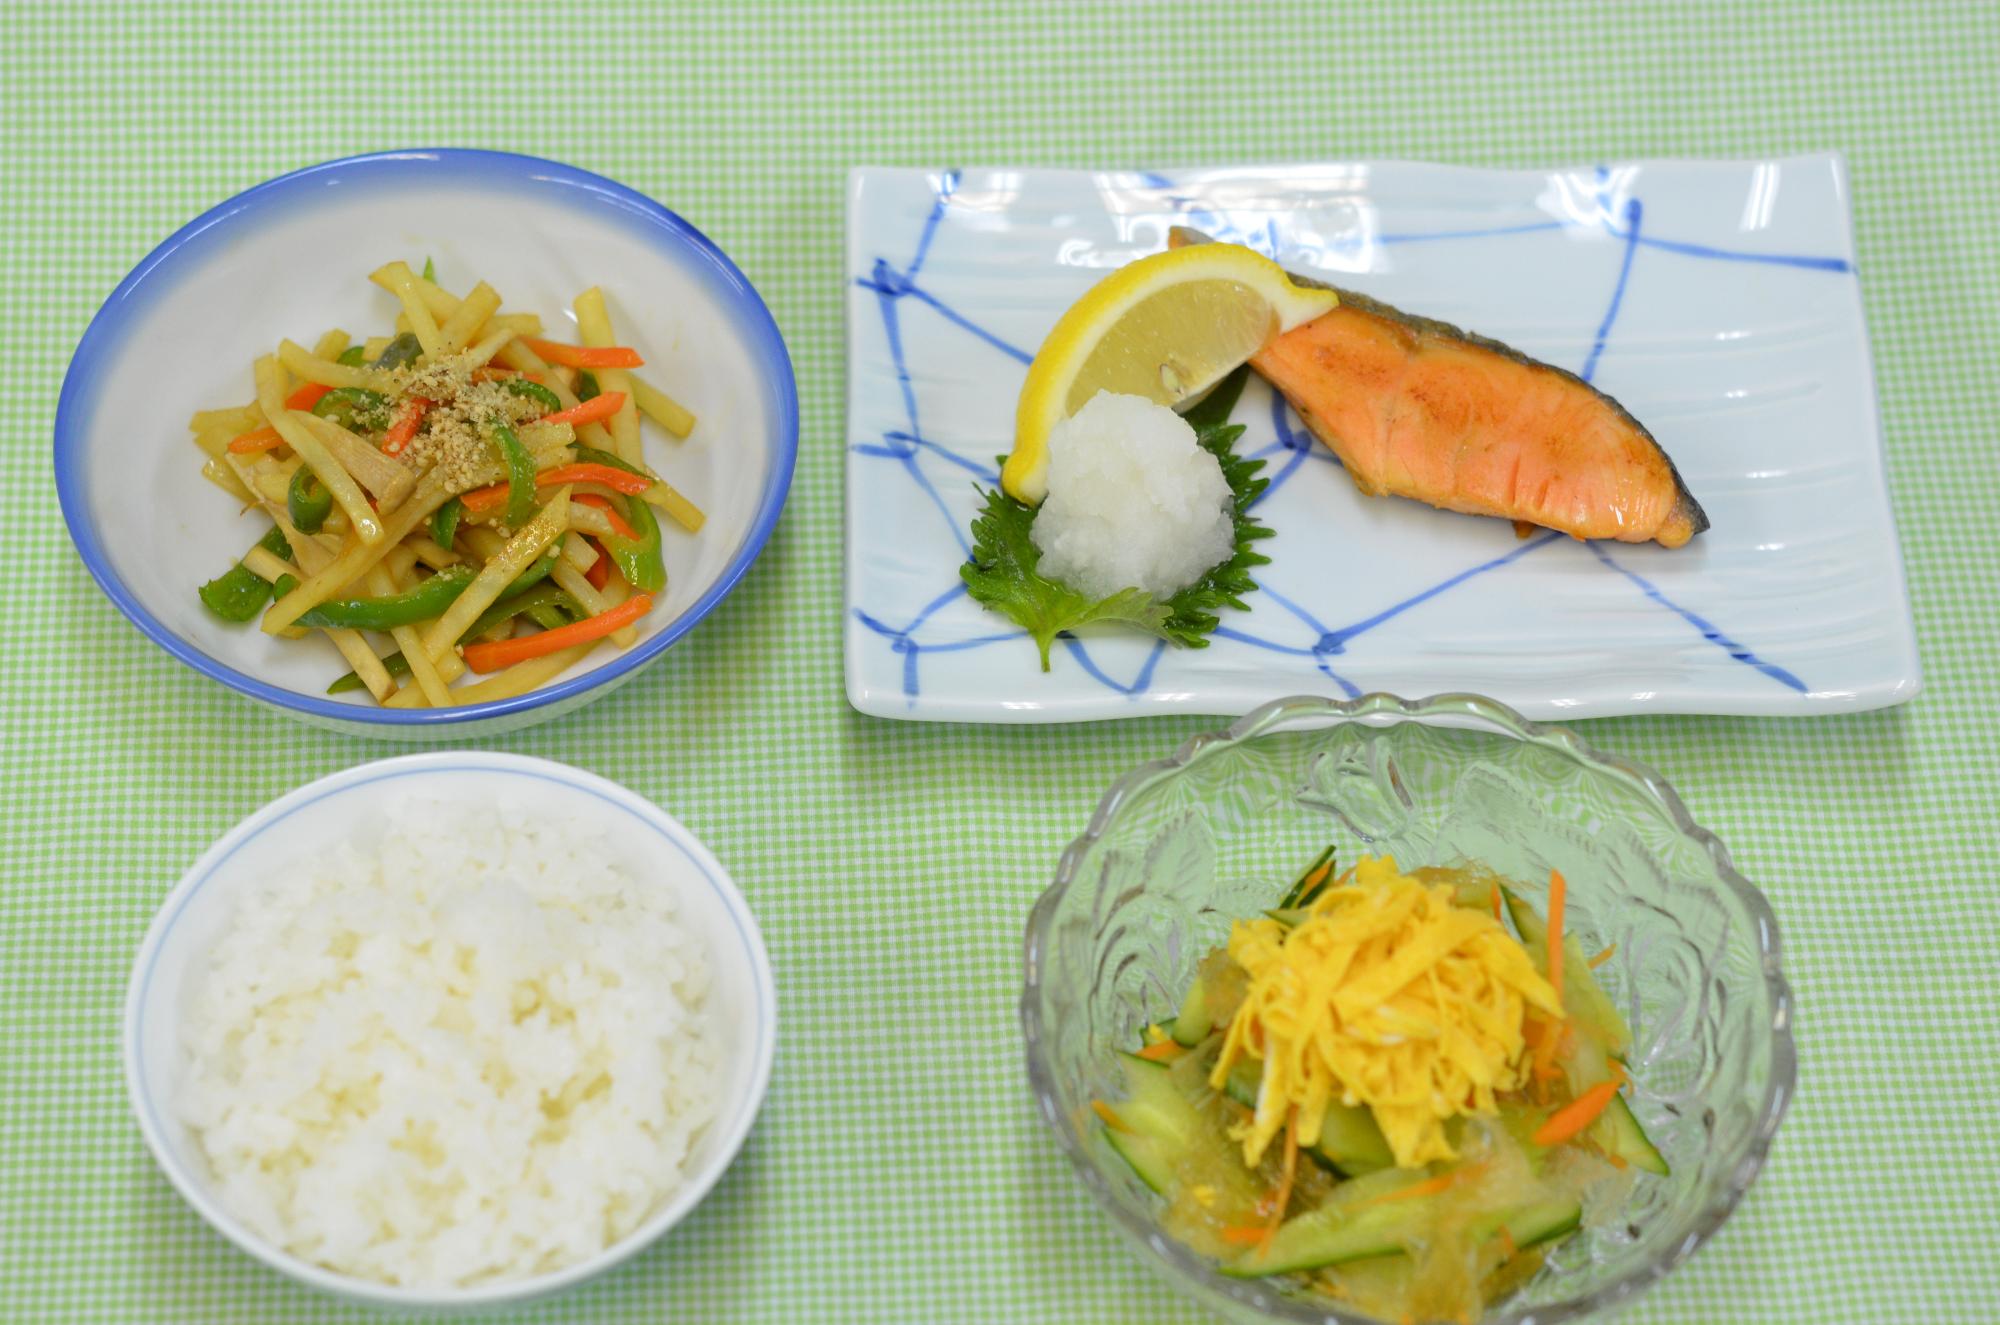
1444,777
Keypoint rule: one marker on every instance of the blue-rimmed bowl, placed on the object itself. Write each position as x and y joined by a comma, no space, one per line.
290,258
656,851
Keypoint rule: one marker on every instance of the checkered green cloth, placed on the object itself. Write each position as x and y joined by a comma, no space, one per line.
898,1173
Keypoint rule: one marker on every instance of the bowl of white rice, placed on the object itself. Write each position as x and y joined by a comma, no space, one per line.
450,1030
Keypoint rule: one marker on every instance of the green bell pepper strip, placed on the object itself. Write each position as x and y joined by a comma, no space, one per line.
395,664
541,597
354,408
239,593
520,475
587,387
550,616
308,501
444,522
426,601
353,356
637,559
546,605
538,570
400,352
536,392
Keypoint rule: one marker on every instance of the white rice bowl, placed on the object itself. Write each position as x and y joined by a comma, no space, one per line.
476,1052
1133,502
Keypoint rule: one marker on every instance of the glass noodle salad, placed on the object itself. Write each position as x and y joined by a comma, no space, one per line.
459,496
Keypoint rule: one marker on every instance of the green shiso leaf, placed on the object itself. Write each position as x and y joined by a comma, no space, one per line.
1002,573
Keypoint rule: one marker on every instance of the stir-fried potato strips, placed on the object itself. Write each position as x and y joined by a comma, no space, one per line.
408,523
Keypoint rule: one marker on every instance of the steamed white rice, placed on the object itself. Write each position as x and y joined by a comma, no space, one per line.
1133,502
473,1053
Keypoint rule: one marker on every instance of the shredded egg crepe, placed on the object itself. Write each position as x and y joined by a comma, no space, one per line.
1388,994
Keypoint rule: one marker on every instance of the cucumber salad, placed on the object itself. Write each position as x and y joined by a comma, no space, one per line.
1403,1089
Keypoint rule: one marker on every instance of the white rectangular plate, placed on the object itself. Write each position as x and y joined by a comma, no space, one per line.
1717,300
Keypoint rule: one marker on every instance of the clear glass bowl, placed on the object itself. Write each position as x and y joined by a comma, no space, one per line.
1181,848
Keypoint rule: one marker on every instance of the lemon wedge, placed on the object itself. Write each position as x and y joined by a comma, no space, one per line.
1167,327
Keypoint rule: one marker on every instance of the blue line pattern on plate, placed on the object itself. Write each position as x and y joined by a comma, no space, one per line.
890,285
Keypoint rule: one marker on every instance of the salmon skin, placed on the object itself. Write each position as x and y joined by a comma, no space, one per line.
1418,408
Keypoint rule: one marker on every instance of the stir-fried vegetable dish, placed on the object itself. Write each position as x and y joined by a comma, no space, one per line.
458,496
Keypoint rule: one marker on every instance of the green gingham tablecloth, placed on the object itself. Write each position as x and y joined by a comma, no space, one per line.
898,1173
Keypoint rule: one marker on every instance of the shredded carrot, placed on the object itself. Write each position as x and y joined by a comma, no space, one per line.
1443,1182
599,573
306,396
492,374
1166,1051
1603,957
594,410
1283,1196
505,653
260,439
1579,1113
1550,1045
1428,1187
585,356
1244,1235
1496,900
619,480
1558,892
405,427
1110,1117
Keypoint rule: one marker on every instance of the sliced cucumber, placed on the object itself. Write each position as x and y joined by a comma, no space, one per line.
1147,1156
1541,1221
1308,886
1619,1134
1348,1138
1194,1021
1359,1226
1291,917
1583,997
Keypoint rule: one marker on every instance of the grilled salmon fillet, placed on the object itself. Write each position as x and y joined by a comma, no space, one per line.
1418,408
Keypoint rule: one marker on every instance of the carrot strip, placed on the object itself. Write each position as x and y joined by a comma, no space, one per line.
595,410
1551,1041
618,523
1603,957
1558,893
405,427
505,653
620,480
307,396
1111,1119
1166,1051
481,500
1496,901
1244,1235
259,439
1443,1182
599,573
1283,1196
1579,1113
585,356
